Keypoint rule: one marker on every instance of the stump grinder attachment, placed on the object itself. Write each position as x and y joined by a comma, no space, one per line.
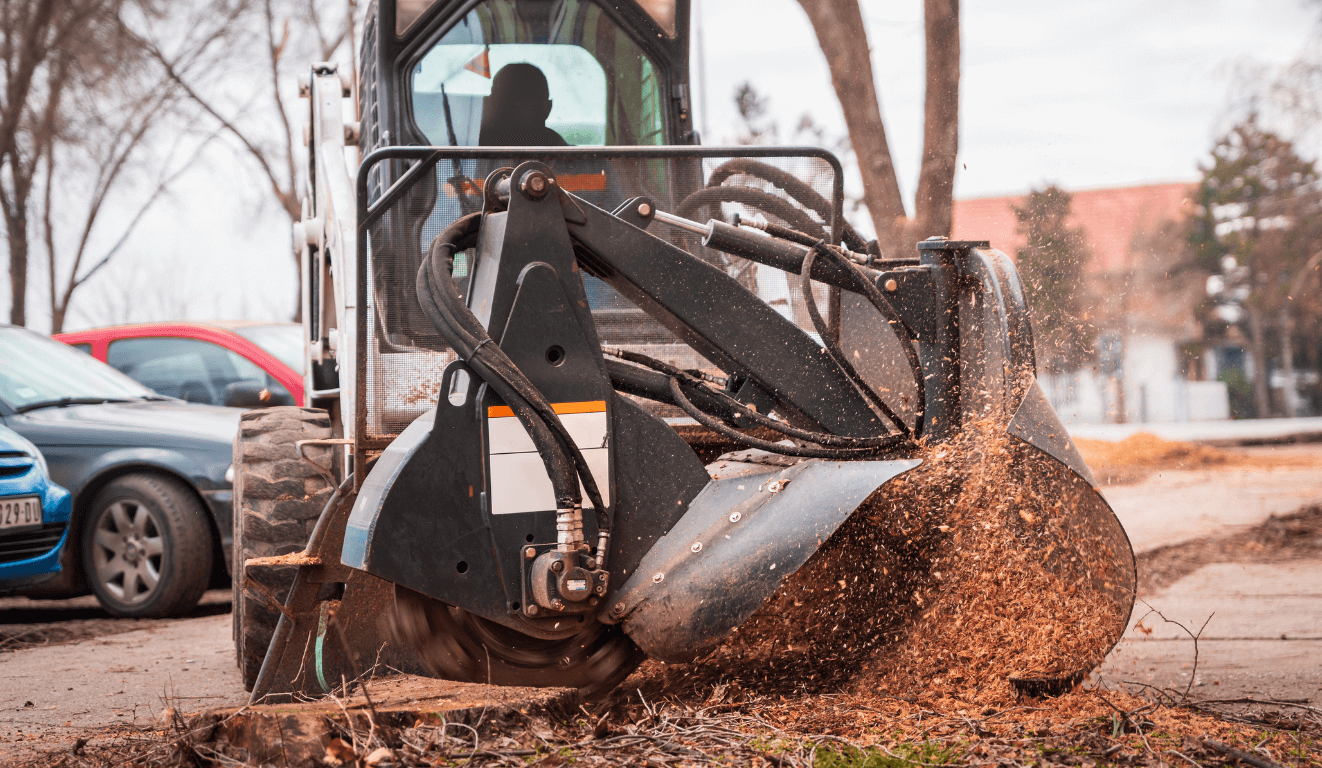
545,523
597,403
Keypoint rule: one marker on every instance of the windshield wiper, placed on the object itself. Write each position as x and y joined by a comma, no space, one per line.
64,401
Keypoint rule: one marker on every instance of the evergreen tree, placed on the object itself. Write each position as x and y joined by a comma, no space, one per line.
1256,224
1051,264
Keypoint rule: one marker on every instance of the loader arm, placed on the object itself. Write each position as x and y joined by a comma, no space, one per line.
325,240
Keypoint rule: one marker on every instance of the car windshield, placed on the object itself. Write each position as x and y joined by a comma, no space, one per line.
285,341
41,370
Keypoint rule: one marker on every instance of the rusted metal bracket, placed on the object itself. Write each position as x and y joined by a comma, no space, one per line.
322,469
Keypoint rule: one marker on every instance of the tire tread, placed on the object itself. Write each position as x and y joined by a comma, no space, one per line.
278,498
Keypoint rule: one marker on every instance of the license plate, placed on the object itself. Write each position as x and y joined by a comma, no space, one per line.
20,512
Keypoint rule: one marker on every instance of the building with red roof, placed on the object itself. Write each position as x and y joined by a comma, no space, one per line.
1141,294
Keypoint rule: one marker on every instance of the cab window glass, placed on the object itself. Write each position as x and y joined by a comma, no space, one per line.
85,348
193,370
537,73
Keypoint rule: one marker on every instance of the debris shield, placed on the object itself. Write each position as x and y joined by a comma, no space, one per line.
741,538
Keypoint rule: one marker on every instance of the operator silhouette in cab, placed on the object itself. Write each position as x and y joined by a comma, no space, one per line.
515,113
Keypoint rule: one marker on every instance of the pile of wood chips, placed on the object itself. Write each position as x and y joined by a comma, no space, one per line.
1139,455
988,561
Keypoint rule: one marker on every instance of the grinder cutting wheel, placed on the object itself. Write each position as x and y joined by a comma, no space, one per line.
600,404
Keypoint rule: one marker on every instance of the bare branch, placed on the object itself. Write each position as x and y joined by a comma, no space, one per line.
253,151
287,196
163,184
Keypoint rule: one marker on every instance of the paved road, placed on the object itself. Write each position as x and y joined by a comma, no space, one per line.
52,694
1229,432
1264,636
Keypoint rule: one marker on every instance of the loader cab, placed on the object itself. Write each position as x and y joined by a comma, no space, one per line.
527,73
447,73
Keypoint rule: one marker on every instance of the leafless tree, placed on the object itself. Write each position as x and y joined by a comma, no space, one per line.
839,27
263,125
135,139
98,130
35,35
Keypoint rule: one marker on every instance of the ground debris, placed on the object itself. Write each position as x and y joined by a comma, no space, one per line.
1142,453
701,725
1279,538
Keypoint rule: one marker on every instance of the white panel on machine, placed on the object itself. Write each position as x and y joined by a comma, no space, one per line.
519,482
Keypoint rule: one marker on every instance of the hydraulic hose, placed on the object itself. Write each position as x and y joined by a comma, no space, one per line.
883,306
845,446
677,392
445,308
837,354
793,186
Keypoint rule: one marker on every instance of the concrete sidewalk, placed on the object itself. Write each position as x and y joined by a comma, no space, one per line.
1262,639
1228,432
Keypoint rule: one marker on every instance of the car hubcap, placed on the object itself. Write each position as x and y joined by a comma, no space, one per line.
127,554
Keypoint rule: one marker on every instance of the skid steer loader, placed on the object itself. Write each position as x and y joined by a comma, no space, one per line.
581,390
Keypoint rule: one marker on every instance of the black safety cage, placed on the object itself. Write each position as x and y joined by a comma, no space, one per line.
392,392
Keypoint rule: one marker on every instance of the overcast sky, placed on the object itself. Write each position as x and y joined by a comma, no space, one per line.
1086,93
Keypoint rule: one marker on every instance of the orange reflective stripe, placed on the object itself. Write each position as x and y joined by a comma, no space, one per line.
582,182
590,406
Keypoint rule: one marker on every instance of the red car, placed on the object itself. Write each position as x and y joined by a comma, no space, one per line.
244,364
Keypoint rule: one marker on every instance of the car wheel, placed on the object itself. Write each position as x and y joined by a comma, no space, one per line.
146,546
277,500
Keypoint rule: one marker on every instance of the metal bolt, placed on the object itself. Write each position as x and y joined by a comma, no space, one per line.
592,601
891,285
601,589
558,604
735,516
529,553
590,564
535,184
532,610
558,566
658,577
644,210
617,609
697,546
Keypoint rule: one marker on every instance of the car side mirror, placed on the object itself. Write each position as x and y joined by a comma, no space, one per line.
247,394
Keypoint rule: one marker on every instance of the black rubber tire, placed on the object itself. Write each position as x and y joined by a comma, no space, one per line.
149,528
277,500
458,645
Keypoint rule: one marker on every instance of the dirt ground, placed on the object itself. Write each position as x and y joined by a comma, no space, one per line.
28,623
1250,557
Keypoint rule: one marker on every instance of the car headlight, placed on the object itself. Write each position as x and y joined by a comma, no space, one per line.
41,462
33,451
229,474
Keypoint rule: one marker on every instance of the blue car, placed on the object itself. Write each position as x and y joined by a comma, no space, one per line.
34,515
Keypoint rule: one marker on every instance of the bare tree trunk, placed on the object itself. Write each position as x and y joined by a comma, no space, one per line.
16,226
840,33
1287,362
1258,348
936,178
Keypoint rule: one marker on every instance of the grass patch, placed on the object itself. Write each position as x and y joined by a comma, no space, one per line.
902,756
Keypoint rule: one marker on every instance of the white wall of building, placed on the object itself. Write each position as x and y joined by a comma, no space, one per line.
1154,390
